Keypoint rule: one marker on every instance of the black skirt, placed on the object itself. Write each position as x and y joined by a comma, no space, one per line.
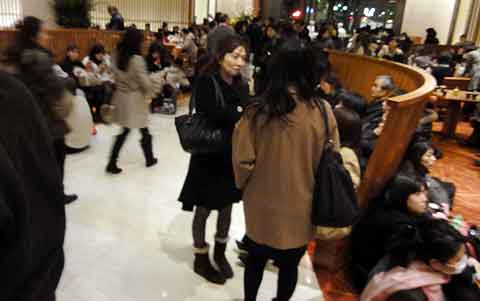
210,183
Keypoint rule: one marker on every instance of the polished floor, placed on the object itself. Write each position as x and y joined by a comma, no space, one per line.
127,238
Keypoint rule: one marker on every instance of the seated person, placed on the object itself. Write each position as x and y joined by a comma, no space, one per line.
79,121
350,130
464,42
71,61
423,58
440,269
419,160
443,68
156,62
383,228
157,58
99,86
443,248
375,115
391,50
330,87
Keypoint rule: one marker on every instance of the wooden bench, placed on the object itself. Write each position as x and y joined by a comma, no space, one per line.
358,73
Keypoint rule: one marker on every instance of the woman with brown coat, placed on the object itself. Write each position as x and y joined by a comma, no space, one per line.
277,148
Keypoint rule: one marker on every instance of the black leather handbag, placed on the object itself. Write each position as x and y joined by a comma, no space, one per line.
334,198
198,134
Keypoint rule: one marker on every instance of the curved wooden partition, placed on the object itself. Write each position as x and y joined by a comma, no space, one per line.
357,73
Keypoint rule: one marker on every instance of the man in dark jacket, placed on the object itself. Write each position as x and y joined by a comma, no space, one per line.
218,34
116,21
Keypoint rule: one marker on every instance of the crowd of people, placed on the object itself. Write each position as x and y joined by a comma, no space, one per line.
267,86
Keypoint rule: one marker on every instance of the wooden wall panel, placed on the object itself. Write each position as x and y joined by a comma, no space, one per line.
140,12
61,38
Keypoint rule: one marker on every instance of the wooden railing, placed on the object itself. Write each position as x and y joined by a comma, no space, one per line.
358,73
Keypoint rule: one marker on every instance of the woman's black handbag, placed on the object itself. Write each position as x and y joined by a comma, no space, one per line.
198,134
334,198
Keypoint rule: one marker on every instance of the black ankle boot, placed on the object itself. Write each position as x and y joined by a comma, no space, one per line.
113,168
221,260
112,162
147,148
203,267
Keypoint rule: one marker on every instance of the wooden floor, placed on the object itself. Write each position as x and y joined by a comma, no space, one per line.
456,166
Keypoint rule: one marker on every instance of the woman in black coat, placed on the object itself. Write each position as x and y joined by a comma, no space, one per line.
210,181
32,213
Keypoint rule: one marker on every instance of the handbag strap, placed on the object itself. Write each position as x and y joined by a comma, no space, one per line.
218,95
328,131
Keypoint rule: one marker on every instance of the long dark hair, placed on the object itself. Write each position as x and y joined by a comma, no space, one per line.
225,46
415,154
130,45
287,68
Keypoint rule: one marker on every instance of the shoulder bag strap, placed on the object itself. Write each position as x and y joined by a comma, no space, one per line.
325,120
218,95
193,100
218,92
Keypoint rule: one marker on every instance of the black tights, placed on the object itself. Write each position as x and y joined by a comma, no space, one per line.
200,222
144,131
287,262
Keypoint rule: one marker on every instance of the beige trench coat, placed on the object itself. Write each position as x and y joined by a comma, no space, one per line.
275,166
133,90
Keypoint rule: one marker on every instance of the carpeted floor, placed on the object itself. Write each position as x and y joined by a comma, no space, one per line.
456,166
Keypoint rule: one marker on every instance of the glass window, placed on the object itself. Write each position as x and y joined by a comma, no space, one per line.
10,12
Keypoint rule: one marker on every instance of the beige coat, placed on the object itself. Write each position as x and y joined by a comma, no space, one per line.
275,166
352,165
132,94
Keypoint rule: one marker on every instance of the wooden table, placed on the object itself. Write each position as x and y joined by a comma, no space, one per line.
455,100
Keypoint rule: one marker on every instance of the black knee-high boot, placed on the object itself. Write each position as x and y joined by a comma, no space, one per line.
147,148
117,146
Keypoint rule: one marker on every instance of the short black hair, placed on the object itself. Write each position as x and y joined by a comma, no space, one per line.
439,240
